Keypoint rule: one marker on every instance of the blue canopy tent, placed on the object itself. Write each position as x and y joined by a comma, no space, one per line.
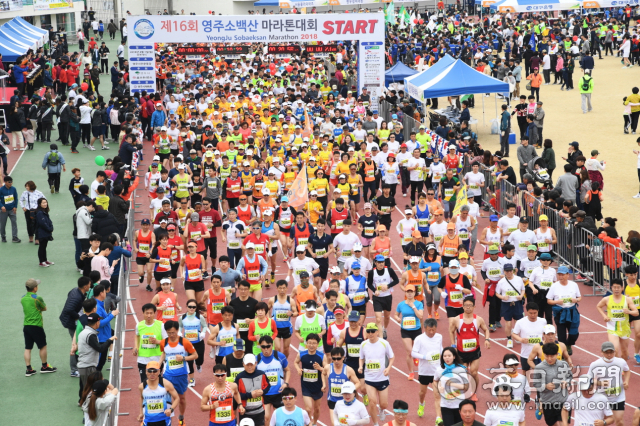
20,39
9,50
397,73
21,23
412,84
24,33
460,79
267,3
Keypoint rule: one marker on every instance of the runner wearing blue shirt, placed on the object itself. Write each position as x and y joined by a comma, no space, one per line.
409,314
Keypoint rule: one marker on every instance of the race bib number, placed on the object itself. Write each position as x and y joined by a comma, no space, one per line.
191,335
235,188
143,248
409,323
336,391
433,357
533,339
469,345
212,184
339,224
272,378
463,236
473,186
545,284
636,300
196,235
511,229
216,307
234,244
282,315
512,293
285,222
169,312
223,414
253,275
246,186
145,342
450,251
155,406
373,366
242,325
566,300
353,351
543,245
227,341
437,238
309,375
385,209
423,223
455,295
345,253
448,193
433,276
407,240
359,297
165,263
173,363
195,275
617,315
303,241
369,231
494,272
321,252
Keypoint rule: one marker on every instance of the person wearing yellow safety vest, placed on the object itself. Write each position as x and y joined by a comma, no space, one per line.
424,140
586,89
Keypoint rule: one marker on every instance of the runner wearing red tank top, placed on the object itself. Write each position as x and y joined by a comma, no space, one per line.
400,413
465,335
143,240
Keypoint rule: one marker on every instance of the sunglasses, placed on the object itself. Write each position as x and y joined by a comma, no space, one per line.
336,358
288,398
371,331
220,374
152,370
192,306
265,346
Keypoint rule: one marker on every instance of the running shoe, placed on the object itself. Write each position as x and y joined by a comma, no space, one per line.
429,316
50,263
384,334
212,355
411,377
365,399
30,372
436,315
383,415
539,414
181,420
192,383
53,189
498,324
43,265
569,350
416,362
474,398
141,278
439,421
637,358
48,369
420,410
509,344
75,374
149,289
199,368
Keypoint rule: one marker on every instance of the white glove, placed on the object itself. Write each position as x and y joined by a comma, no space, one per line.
352,422
443,294
203,335
288,278
458,287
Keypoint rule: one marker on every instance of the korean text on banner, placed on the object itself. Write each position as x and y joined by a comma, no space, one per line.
461,200
299,192
371,68
151,29
142,68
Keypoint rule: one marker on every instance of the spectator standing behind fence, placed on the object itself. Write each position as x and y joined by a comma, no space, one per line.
505,129
568,184
525,153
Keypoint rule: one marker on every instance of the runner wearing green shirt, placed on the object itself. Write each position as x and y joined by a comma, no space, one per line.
33,306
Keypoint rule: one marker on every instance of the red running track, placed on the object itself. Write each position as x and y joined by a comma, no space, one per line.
587,349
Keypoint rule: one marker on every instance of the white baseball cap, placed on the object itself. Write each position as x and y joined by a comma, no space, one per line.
301,248
250,246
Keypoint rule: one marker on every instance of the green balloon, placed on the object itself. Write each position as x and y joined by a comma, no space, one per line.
100,160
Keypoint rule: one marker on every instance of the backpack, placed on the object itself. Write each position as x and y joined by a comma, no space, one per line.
53,158
585,83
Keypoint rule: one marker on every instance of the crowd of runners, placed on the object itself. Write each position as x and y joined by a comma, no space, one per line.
225,140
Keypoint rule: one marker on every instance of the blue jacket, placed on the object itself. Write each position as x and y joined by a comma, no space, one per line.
48,79
115,254
17,73
115,75
567,315
49,166
7,192
44,226
158,118
104,331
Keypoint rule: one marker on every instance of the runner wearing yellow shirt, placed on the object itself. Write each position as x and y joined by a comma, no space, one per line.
314,208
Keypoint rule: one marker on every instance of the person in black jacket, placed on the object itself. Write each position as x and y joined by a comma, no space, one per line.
64,112
127,149
44,231
104,223
119,207
45,120
74,128
70,314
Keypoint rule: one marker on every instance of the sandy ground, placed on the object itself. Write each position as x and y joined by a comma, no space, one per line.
601,129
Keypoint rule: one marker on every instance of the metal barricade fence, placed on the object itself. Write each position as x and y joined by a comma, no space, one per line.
597,261
119,328
409,124
385,111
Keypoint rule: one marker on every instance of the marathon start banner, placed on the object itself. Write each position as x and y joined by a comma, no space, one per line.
367,28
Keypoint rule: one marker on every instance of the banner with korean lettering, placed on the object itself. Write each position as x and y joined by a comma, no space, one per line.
151,29
10,5
299,192
52,4
142,68
371,67
298,4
